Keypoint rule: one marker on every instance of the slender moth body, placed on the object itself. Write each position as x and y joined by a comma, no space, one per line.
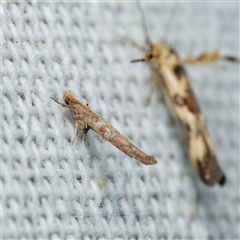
168,67
85,118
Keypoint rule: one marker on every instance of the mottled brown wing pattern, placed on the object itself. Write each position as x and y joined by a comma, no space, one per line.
184,105
85,118
198,140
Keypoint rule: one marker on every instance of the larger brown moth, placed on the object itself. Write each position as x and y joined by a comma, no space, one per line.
85,118
168,67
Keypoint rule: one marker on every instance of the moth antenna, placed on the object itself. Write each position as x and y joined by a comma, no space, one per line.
138,60
169,23
62,104
144,25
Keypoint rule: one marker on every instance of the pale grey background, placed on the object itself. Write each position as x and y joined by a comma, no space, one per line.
51,189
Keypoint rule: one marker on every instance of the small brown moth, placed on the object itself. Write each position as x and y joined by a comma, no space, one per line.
85,118
168,68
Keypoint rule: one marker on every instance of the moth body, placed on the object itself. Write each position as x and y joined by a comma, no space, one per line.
166,64
85,118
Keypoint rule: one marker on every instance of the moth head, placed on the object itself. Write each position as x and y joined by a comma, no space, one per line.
156,51
164,52
69,98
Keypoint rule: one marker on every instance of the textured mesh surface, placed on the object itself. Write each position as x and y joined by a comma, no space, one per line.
52,189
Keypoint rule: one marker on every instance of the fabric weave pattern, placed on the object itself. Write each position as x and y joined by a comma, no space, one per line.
54,190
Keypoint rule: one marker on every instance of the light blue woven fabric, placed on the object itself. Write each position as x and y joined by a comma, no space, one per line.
52,189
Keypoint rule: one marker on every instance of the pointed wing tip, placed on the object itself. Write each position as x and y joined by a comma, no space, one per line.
222,181
151,161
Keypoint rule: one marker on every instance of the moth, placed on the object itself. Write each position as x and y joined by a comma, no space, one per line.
168,69
85,119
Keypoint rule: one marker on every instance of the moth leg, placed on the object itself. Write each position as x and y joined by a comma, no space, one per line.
84,128
207,58
75,132
153,84
134,44
231,58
